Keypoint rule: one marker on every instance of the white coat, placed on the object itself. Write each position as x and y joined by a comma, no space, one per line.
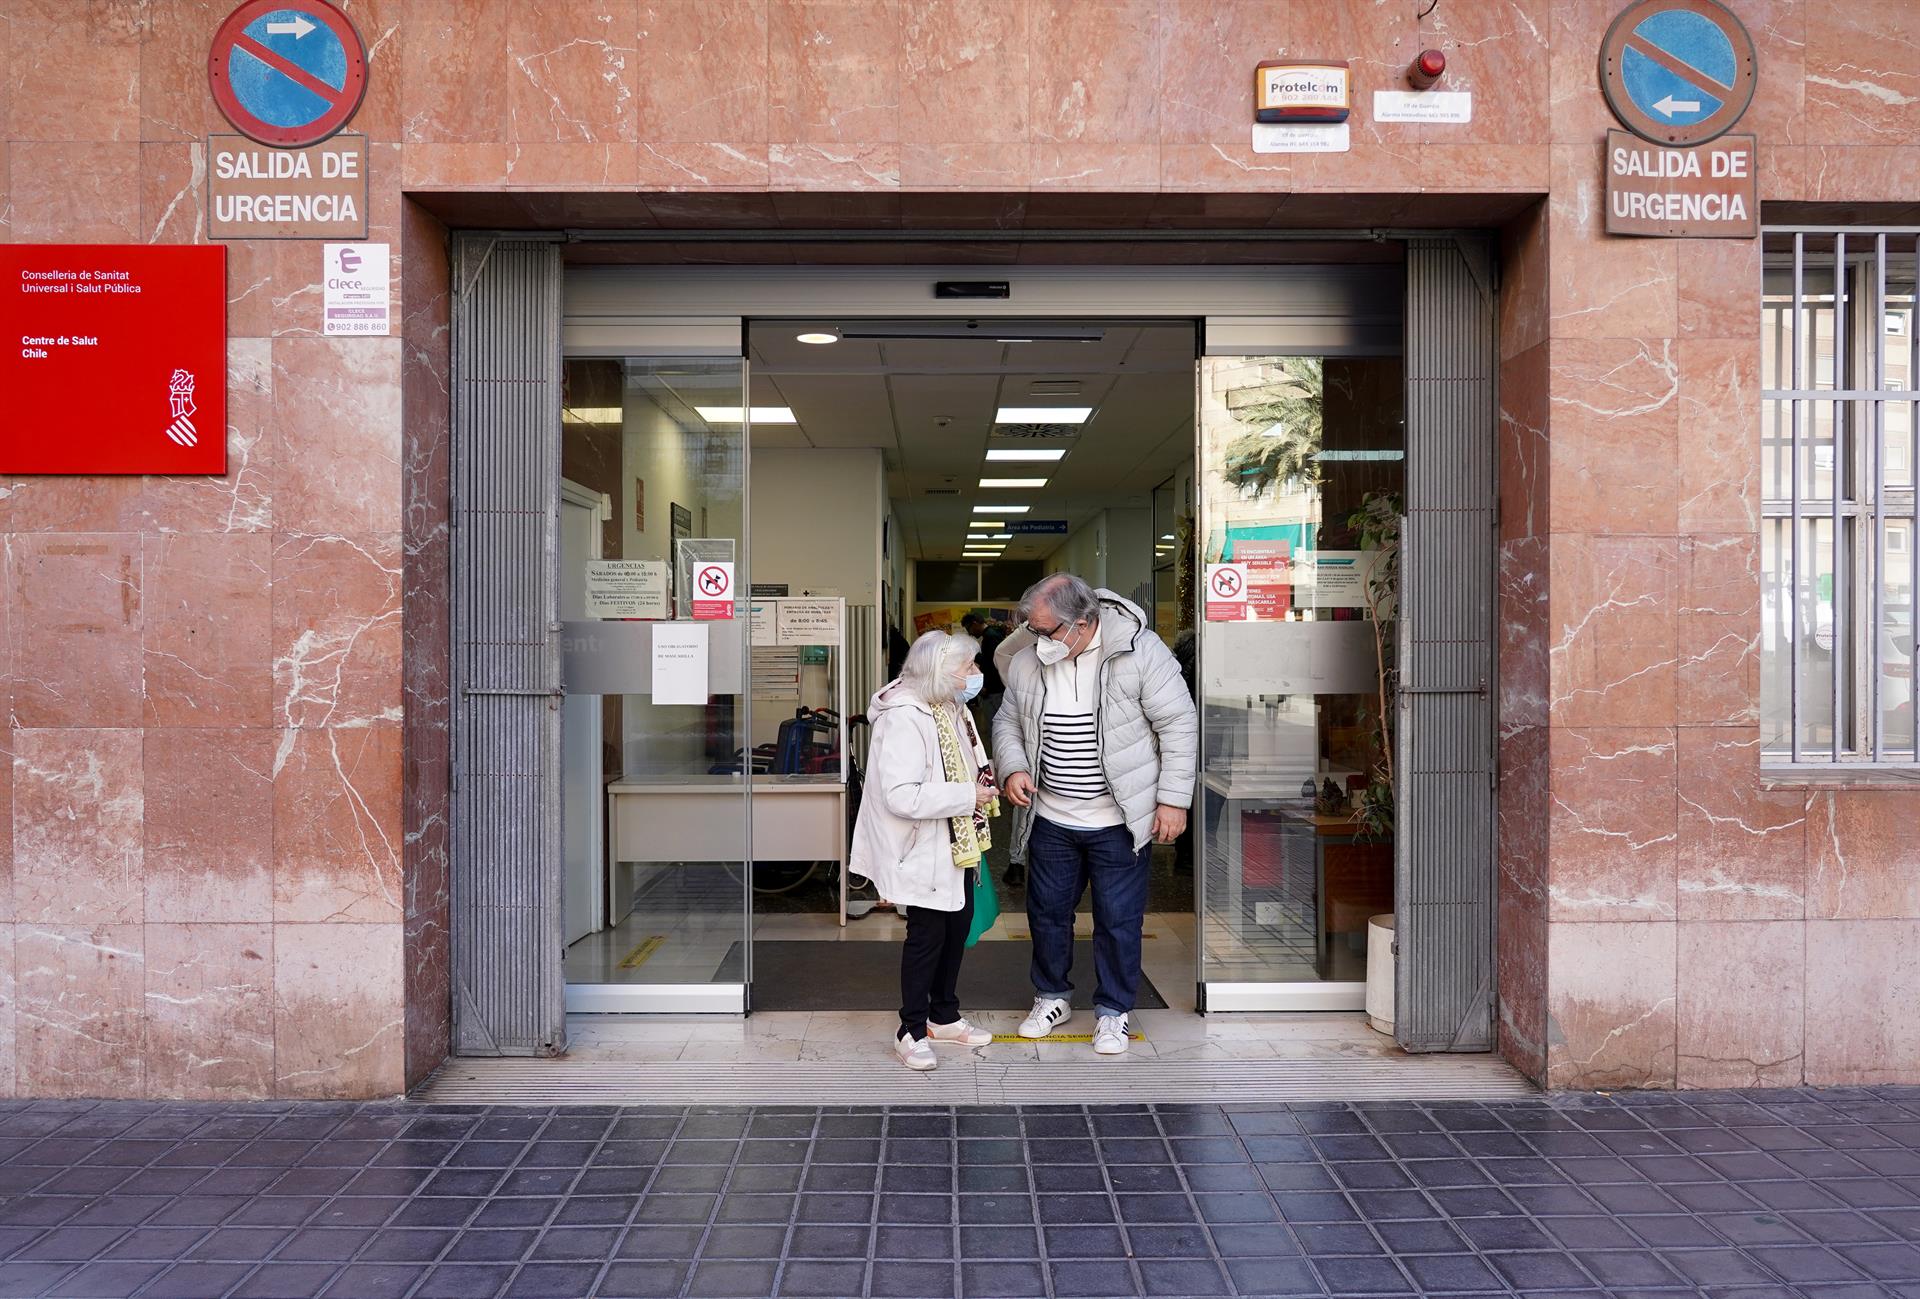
900,841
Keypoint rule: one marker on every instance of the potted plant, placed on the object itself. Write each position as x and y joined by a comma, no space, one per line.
1376,523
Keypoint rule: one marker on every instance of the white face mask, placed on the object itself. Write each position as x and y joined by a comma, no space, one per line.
1051,651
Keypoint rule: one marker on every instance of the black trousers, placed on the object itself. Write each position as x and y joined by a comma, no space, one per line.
930,964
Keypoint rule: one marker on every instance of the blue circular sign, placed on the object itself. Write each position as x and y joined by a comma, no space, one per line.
1677,72
288,73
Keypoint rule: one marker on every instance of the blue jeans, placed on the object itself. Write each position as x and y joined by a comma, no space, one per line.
1060,864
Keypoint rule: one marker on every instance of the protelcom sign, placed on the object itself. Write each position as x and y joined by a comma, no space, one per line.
116,359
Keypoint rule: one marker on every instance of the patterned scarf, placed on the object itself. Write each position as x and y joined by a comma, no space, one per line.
967,833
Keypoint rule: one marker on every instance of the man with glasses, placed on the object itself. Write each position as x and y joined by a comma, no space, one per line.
1097,737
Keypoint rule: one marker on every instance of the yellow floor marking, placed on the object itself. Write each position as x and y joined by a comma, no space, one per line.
638,956
1061,1037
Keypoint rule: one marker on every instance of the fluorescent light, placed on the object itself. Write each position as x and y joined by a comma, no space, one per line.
1042,414
1013,482
761,414
985,550
595,414
817,337
1026,453
1001,509
984,536
1166,536
985,523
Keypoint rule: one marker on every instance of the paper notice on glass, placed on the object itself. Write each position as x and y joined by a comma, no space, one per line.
1340,578
762,622
626,588
680,663
809,622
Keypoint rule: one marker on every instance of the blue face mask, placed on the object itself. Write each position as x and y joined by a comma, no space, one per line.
966,693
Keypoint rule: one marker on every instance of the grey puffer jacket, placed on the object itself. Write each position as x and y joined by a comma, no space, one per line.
1148,727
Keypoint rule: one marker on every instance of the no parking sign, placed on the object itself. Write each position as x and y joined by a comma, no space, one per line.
287,73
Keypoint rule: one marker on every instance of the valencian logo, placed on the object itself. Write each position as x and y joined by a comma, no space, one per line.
180,402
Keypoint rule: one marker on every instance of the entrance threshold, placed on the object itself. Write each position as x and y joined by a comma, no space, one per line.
843,1059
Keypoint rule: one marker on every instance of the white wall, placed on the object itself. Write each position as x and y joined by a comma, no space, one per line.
816,520
1084,552
1130,554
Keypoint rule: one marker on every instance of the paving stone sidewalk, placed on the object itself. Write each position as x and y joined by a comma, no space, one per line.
1744,1195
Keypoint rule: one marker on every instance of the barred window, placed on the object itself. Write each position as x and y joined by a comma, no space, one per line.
1839,442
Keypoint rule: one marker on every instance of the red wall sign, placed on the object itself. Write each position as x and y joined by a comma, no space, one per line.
116,359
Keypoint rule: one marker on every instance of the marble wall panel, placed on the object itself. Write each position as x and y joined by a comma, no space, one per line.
208,1008
1613,824
337,1013
79,1012
1717,624
1742,853
336,435
833,72
1612,1005
1614,444
337,826
1866,1032
336,630
571,71
78,812
1863,854
205,601
208,834
1614,640
1742,1005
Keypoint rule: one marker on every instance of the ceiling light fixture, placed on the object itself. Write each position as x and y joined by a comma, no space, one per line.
1001,509
985,523
1025,453
761,414
1013,482
1042,414
818,337
982,536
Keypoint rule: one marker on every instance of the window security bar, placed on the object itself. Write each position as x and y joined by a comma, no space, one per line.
1840,543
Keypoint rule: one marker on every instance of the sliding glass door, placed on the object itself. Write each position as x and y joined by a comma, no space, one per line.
656,755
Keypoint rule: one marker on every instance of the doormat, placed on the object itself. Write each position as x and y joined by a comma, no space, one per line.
865,975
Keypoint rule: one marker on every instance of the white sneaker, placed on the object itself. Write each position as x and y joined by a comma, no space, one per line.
960,1031
1048,1013
916,1053
1110,1035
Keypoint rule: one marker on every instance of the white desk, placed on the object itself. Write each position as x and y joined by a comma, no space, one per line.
696,819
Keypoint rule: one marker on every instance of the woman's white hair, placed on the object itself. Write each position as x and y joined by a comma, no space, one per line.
932,663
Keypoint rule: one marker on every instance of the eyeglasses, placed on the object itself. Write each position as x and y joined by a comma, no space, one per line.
1049,633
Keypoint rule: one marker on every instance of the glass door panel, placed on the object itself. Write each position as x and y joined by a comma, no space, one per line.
1301,463
655,727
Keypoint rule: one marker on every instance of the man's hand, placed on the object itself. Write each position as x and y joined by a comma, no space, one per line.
1018,788
1168,823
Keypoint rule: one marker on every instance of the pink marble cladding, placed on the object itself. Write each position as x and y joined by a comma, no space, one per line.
336,422
1612,1004
1613,650
79,1009
206,612
337,825
1521,897
425,598
1867,1032
75,610
1741,849
78,811
209,1010
1612,824
208,846
336,630
1863,855
1742,993
337,1010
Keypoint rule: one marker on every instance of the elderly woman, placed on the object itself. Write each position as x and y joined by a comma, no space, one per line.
922,832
